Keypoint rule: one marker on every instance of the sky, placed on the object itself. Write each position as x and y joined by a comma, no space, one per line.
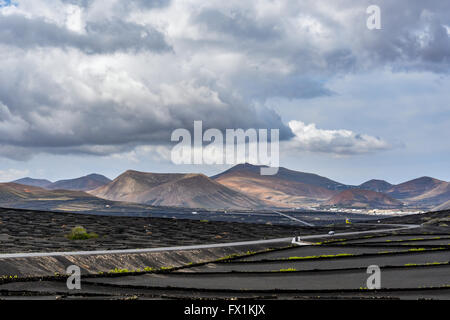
99,85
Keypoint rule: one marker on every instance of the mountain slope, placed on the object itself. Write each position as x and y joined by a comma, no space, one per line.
284,189
42,183
85,183
433,197
443,206
414,188
171,189
376,185
356,198
425,192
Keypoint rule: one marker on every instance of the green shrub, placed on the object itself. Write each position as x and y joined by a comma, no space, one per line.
288,270
80,233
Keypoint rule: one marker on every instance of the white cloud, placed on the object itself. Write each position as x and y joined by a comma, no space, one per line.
337,142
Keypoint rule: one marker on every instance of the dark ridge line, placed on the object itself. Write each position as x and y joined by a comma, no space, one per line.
380,245
335,257
28,293
272,297
170,288
398,244
62,277
420,234
351,239
243,298
406,240
278,272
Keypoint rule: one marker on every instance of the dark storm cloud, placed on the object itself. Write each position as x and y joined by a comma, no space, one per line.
216,62
100,37
40,114
413,36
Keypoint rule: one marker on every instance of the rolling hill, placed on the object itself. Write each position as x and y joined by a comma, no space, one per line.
13,192
13,195
356,198
173,189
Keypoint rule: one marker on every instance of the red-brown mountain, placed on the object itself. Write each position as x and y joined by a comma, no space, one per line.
357,198
287,188
285,174
173,189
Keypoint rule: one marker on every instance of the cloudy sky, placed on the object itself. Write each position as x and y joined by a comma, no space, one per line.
99,85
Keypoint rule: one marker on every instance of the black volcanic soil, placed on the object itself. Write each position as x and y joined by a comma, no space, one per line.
414,263
429,219
39,231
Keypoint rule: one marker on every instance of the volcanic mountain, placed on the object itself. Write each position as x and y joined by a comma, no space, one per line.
357,198
376,185
173,189
286,188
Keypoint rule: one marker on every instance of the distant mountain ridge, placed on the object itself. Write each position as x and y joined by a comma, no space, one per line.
242,186
85,183
42,183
